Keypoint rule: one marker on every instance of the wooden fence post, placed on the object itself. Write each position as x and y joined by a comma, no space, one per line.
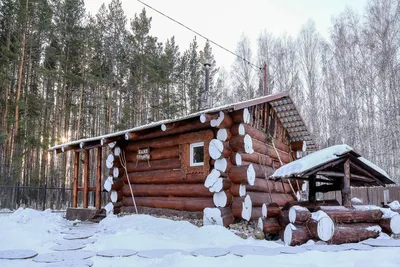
86,179
76,177
98,178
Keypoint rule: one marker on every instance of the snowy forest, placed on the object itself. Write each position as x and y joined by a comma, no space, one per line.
66,74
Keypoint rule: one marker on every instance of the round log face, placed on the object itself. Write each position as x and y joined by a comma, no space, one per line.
395,224
216,147
325,228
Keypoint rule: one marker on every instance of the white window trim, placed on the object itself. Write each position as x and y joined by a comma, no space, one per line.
198,144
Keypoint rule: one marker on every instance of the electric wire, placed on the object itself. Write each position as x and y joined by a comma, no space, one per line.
201,35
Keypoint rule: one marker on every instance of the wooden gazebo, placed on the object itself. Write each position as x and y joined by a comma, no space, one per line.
337,168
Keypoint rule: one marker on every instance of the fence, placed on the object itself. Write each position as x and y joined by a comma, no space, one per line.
368,195
40,198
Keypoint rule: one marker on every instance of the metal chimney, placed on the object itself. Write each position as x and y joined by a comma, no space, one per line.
206,100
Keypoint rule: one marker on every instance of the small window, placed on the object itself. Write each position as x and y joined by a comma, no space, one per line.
197,154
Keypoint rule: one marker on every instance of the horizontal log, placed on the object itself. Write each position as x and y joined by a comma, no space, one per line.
266,186
269,150
172,129
299,215
241,116
354,232
340,214
238,190
208,117
241,143
224,134
162,164
268,225
272,210
263,171
257,158
283,218
223,164
161,142
311,206
175,203
224,120
223,199
116,196
242,208
296,235
321,226
186,215
218,216
219,149
242,174
259,198
163,177
222,184
391,225
165,190
113,184
258,212
156,154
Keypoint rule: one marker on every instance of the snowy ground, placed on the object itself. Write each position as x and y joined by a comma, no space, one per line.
29,229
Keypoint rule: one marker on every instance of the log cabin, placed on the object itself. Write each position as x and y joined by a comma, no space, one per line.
234,162
213,163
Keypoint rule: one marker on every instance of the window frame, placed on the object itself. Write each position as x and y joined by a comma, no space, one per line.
191,150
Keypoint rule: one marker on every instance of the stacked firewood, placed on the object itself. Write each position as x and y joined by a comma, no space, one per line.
338,224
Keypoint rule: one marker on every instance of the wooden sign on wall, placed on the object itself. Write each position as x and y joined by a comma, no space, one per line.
143,154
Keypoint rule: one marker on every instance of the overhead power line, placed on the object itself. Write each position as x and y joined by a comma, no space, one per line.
201,35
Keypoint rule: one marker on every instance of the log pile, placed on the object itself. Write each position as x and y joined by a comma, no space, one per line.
338,224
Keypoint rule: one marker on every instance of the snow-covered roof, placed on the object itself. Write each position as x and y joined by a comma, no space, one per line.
319,158
280,102
312,160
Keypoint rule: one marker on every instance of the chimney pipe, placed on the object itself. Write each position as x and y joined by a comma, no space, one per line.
206,95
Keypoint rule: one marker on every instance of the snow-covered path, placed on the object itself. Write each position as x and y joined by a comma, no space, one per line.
29,229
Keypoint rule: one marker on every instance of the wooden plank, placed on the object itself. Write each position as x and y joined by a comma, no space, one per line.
86,179
98,178
75,183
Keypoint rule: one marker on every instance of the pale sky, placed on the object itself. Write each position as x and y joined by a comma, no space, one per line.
224,21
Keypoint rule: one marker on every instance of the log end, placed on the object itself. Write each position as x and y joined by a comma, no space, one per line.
325,229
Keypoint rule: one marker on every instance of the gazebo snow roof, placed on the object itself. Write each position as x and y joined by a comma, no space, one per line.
328,163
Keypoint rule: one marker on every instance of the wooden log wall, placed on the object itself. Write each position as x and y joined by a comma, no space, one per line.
163,178
244,150
246,155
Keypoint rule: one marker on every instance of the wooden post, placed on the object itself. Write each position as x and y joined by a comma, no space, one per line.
86,179
346,190
76,176
312,188
98,179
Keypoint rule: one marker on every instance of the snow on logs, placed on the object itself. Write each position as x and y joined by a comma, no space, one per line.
390,222
340,214
218,216
354,232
